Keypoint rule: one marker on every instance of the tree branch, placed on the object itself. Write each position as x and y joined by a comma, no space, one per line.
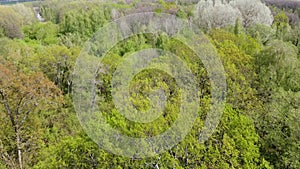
7,107
6,157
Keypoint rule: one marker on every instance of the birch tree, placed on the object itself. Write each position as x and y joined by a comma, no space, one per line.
21,96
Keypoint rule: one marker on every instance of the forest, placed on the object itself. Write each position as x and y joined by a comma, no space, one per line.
63,67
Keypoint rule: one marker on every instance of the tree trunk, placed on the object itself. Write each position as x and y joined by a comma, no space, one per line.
19,148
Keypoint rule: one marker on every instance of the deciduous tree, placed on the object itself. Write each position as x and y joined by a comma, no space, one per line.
21,96
210,14
253,12
11,22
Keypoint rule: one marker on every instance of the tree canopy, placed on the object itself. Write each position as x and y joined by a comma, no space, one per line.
258,44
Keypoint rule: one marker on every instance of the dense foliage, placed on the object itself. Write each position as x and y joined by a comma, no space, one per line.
258,44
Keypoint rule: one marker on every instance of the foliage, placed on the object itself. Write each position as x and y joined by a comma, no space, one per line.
279,129
45,33
277,125
288,5
240,76
28,16
264,34
57,63
278,66
233,145
244,42
216,15
78,152
281,24
22,97
10,22
219,14
259,127
18,53
253,12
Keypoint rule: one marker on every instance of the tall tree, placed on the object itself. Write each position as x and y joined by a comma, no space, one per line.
278,127
281,24
21,96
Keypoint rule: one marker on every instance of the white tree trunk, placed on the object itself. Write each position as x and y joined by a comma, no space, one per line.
20,161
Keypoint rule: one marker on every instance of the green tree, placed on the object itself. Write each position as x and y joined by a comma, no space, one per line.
45,33
57,63
22,97
278,66
73,152
281,24
28,16
278,127
234,144
264,34
236,54
11,22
